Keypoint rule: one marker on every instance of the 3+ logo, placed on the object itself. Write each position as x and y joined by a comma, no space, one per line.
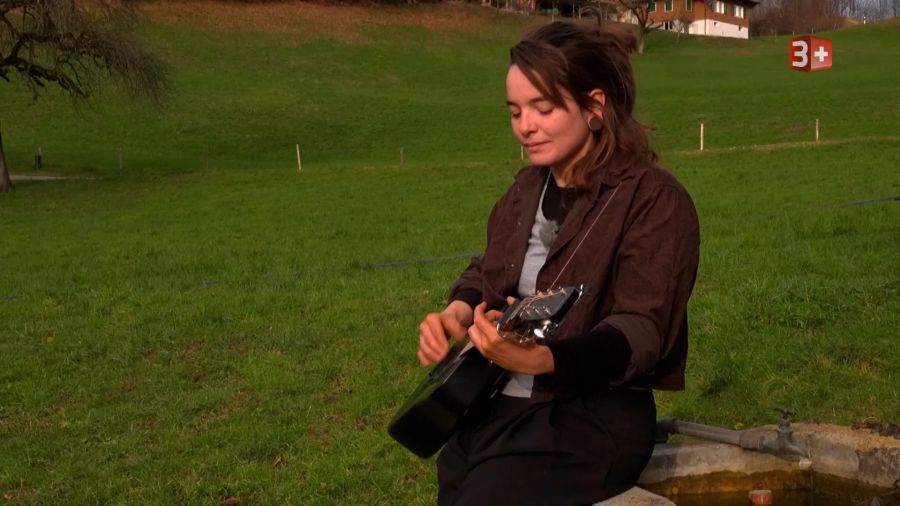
809,54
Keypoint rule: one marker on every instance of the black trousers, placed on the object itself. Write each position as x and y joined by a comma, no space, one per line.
564,452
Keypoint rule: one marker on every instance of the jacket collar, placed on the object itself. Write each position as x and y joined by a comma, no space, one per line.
614,171
530,183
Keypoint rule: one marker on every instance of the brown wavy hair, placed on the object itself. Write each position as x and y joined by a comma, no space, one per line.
578,58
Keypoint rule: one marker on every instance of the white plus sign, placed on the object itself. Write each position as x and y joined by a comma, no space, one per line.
821,54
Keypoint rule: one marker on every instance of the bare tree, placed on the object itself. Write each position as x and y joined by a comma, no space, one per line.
640,10
788,15
78,45
892,10
601,9
682,24
775,17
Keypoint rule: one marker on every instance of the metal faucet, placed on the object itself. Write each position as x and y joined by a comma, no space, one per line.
782,442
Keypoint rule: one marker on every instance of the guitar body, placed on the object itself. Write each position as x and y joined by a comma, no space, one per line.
436,408
464,379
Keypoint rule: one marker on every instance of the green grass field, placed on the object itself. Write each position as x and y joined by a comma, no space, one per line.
172,333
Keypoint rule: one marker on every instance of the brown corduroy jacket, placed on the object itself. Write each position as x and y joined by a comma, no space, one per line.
639,262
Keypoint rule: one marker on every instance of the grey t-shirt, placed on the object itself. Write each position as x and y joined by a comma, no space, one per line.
543,233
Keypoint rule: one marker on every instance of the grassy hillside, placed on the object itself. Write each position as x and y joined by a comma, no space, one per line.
246,96
745,93
176,334
251,82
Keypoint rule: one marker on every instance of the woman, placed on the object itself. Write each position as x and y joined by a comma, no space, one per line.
574,424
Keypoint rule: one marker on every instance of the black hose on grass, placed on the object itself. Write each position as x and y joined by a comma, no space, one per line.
870,201
426,260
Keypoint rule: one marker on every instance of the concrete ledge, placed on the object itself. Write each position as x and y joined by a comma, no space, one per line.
636,497
854,454
860,455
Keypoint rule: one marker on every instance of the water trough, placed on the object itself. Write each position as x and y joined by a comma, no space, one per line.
846,466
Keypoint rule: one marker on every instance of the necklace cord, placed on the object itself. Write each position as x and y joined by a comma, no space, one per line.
584,237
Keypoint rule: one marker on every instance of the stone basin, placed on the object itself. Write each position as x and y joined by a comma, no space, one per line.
858,462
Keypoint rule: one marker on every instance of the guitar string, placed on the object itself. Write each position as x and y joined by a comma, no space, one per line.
469,345
585,236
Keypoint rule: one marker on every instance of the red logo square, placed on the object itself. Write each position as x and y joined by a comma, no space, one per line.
809,54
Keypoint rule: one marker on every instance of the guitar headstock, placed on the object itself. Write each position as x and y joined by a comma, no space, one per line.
534,319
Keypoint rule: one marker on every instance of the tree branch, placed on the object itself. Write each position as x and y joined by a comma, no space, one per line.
77,45
10,5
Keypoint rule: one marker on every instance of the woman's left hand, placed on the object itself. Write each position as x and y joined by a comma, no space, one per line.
531,359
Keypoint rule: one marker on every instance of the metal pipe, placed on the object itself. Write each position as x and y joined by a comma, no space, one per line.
779,442
668,426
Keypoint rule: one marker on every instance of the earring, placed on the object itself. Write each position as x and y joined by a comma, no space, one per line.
595,123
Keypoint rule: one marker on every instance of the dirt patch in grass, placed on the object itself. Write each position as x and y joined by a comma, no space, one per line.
319,435
235,404
307,21
19,495
176,181
799,127
883,429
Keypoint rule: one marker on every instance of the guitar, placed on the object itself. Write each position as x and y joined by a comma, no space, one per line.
464,378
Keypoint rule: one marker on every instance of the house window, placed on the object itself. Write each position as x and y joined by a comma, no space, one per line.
718,6
651,6
669,5
739,11
689,5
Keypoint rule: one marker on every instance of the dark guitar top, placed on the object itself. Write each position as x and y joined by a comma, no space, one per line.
464,378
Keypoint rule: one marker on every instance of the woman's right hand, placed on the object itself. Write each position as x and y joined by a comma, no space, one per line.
437,328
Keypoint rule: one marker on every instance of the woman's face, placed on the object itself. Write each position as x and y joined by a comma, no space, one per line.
552,135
